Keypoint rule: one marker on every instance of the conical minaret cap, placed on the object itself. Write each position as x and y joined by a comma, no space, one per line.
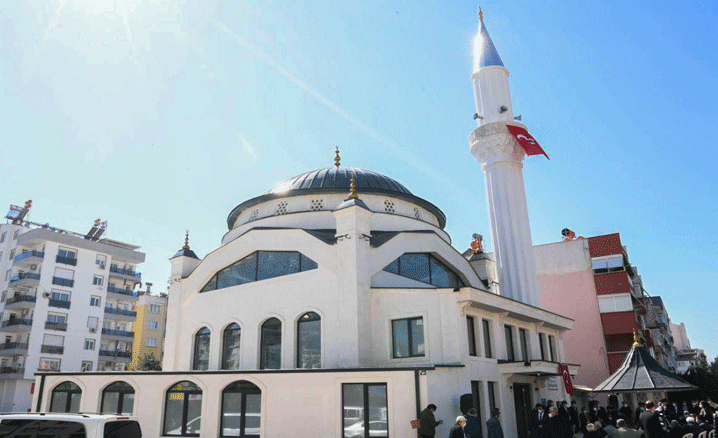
485,53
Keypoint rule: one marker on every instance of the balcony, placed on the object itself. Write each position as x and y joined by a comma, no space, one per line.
66,260
11,373
63,304
28,258
25,279
116,356
117,335
13,348
17,325
20,301
63,281
59,326
125,274
120,314
120,293
52,349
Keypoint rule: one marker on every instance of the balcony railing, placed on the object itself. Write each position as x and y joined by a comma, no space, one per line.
128,272
62,281
21,298
11,370
66,260
59,303
25,255
13,346
122,333
120,311
52,349
117,290
61,326
116,353
17,321
24,276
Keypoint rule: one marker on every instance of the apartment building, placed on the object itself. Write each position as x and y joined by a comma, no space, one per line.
67,303
149,327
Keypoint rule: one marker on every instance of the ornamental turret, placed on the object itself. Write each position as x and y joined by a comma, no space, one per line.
501,159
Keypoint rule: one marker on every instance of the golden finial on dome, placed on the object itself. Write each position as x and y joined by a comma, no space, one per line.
353,187
636,339
186,240
337,158
481,14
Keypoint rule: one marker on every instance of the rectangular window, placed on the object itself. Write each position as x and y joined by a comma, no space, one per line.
12,254
365,410
2,237
92,322
86,366
542,345
152,325
95,301
471,333
524,344
492,396
151,342
60,318
53,340
89,344
47,364
509,334
486,326
14,236
155,308
67,253
552,348
60,296
476,401
98,280
101,261
407,337
7,274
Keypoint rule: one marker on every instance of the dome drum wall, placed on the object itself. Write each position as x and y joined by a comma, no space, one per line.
314,211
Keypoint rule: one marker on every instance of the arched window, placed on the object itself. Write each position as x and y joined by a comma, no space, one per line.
183,410
66,398
230,347
118,398
270,354
201,350
241,410
309,341
425,268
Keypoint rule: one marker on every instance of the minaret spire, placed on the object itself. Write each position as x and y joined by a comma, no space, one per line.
501,160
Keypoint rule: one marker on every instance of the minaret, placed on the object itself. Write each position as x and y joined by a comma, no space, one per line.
501,159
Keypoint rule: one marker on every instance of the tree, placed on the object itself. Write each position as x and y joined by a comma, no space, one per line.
149,363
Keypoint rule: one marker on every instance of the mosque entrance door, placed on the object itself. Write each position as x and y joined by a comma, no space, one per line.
522,404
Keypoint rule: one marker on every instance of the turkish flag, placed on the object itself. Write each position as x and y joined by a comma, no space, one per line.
526,141
568,384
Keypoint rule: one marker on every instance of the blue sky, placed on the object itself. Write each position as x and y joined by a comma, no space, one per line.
159,116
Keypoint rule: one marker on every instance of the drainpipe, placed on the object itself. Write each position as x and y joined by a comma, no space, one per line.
39,394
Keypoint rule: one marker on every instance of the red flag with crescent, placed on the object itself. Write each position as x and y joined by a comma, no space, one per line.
526,141
567,382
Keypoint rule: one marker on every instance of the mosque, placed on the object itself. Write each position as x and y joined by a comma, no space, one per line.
336,306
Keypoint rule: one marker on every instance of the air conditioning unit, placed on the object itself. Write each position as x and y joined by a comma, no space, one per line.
102,266
33,267
92,330
46,295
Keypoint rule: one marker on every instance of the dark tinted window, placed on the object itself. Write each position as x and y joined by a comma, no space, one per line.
122,429
41,429
425,268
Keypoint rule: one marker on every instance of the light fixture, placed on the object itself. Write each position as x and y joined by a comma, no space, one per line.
503,109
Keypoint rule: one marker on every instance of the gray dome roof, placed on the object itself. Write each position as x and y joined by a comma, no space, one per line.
338,178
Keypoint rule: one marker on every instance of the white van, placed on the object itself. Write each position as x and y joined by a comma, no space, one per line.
68,426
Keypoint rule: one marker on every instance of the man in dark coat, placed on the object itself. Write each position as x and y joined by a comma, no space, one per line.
537,421
427,424
626,413
573,413
472,429
493,425
651,423
557,426
639,410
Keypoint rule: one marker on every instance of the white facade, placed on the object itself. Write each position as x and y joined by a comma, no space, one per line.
54,294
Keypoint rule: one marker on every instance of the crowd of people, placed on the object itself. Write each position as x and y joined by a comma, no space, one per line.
663,419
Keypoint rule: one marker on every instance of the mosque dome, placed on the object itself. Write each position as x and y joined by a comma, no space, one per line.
336,180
